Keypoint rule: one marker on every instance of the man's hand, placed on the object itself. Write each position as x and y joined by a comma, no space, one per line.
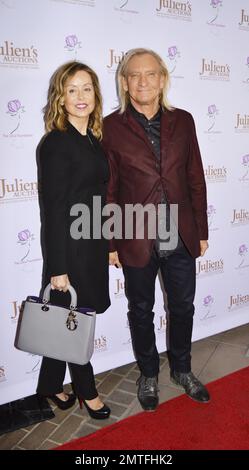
60,283
203,247
114,260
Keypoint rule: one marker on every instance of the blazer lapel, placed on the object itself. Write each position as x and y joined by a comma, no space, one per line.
167,120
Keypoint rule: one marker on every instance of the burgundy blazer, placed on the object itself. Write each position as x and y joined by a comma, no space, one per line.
136,177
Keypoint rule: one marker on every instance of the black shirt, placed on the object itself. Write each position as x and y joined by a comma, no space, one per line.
151,127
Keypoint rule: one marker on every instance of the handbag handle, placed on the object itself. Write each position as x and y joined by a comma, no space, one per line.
73,304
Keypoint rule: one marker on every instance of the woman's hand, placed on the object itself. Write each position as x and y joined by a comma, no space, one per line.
60,283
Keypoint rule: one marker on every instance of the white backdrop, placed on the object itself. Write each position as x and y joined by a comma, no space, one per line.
205,45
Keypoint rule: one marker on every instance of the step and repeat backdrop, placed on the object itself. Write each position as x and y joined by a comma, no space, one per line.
205,45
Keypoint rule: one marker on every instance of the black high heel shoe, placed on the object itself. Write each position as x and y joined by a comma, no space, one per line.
102,413
63,405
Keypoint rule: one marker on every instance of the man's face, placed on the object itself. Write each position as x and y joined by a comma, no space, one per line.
144,80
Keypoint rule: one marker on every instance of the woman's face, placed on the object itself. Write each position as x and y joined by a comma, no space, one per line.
79,97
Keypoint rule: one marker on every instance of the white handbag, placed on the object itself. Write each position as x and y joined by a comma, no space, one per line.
58,332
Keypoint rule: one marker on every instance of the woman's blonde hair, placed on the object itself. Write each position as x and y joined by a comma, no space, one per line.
122,73
55,114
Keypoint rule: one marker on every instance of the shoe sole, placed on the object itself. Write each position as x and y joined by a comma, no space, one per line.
149,409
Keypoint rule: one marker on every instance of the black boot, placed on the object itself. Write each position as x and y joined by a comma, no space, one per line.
192,386
147,392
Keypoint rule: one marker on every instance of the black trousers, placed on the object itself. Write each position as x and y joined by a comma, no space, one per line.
52,374
178,274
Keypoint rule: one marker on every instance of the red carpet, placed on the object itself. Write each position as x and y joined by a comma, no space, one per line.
182,423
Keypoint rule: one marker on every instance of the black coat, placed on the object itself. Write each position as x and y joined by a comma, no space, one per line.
73,169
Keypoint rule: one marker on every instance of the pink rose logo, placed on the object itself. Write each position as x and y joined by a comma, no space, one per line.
212,113
173,55
208,300
172,51
215,4
210,210
242,250
242,253
207,303
15,109
212,109
72,43
245,160
25,238
210,213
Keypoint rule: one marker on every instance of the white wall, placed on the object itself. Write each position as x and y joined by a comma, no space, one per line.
37,37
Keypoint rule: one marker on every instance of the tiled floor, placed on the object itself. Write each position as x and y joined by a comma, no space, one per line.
212,358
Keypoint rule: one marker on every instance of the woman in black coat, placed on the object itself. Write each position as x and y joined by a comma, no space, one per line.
73,170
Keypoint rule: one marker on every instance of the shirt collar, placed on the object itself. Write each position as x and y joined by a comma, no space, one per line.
142,118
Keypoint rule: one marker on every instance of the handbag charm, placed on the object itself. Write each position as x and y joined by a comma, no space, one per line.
72,322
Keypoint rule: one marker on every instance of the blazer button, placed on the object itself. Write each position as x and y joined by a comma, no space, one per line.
159,188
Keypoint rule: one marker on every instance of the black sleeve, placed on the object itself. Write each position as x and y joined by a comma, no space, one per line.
55,180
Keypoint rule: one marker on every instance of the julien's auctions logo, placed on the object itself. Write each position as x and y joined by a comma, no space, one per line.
244,20
174,9
114,59
215,174
100,344
211,70
16,56
17,190
242,123
15,311
209,267
119,289
238,301
162,324
240,217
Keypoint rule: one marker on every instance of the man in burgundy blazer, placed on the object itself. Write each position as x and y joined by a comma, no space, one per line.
154,158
